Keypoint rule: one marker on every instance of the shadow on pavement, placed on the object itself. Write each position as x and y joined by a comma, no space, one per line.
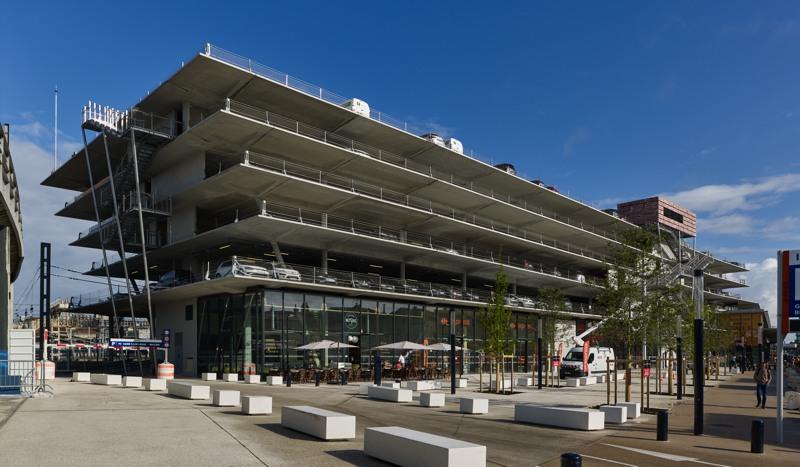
356,457
279,429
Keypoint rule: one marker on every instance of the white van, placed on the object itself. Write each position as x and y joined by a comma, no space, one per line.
454,145
434,138
572,363
358,106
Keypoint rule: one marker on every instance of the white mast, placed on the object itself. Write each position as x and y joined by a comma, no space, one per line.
55,132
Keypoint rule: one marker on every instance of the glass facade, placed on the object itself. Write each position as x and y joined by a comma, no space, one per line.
259,331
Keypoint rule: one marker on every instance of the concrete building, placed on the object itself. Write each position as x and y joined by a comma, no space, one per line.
266,212
11,253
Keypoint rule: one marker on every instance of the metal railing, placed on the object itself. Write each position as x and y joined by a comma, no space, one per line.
285,123
420,240
17,377
98,117
284,167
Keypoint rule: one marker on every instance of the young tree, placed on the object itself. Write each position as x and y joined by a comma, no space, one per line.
553,305
496,319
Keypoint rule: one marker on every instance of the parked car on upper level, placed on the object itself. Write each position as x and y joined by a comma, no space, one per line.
358,106
454,145
323,278
173,278
286,274
235,267
506,167
434,138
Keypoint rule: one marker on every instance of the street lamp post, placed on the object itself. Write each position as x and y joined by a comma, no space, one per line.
539,361
697,373
452,351
679,355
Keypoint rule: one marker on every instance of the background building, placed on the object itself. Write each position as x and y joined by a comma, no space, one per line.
10,235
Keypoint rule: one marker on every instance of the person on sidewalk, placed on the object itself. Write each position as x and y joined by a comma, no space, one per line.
762,376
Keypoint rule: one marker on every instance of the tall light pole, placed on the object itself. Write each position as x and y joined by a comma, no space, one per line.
679,354
539,360
452,351
697,373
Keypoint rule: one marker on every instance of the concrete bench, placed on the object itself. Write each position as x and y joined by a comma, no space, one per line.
431,399
132,381
421,385
634,408
320,423
401,446
225,398
230,377
155,384
505,385
525,381
81,377
389,394
208,376
104,379
587,380
275,380
256,405
252,379
564,417
473,405
187,390
460,382
573,382
614,413
363,388
390,384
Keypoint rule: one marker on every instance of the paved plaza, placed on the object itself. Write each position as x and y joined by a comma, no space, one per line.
87,424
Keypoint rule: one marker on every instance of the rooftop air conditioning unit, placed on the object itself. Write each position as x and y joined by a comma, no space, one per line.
455,145
358,106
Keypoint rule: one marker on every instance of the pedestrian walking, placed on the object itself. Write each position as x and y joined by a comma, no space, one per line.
762,376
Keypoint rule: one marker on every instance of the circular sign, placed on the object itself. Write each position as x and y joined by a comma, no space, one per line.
351,321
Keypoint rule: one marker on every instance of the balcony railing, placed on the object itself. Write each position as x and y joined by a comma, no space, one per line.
421,240
278,121
104,118
283,167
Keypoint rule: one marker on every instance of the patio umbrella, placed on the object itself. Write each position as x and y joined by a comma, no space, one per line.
324,344
402,345
442,347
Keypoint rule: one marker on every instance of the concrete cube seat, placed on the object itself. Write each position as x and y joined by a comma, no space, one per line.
431,399
389,394
401,446
187,390
132,381
230,377
208,376
252,379
587,380
81,377
634,408
363,388
320,423
274,380
525,381
390,384
155,384
473,405
104,379
225,398
614,413
256,405
564,417
573,382
504,386
421,385
460,382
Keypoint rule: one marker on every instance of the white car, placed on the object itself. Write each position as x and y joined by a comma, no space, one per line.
286,274
454,145
358,106
234,267
434,138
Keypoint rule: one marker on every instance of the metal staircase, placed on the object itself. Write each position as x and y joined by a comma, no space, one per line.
696,261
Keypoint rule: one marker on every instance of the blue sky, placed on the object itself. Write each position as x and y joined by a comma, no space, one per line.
608,101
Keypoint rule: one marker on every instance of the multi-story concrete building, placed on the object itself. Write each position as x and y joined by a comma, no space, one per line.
267,212
11,253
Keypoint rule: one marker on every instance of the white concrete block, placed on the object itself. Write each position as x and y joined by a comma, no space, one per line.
421,385
230,377
256,405
252,379
319,423
504,386
81,377
431,399
473,405
275,380
209,376
363,388
525,381
132,381
155,384
461,382
564,417
188,390
573,382
601,378
104,379
587,380
634,408
401,446
225,398
389,394
615,413
390,384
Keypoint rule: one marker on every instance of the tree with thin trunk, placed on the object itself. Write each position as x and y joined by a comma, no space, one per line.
496,319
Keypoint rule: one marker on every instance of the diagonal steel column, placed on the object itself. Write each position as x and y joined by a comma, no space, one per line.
102,241
121,245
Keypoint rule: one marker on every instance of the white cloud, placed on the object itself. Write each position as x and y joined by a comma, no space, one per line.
733,224
724,199
761,280
577,136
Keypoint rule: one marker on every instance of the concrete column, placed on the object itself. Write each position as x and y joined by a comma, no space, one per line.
6,310
248,339
186,111
324,261
464,280
403,270
514,288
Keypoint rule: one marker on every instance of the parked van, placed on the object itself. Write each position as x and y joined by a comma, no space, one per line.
454,145
434,138
572,363
358,106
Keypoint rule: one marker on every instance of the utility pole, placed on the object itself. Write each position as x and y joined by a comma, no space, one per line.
452,351
44,298
698,374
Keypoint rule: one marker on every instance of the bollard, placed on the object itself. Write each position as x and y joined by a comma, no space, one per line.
316,378
663,425
757,437
344,378
288,379
571,459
